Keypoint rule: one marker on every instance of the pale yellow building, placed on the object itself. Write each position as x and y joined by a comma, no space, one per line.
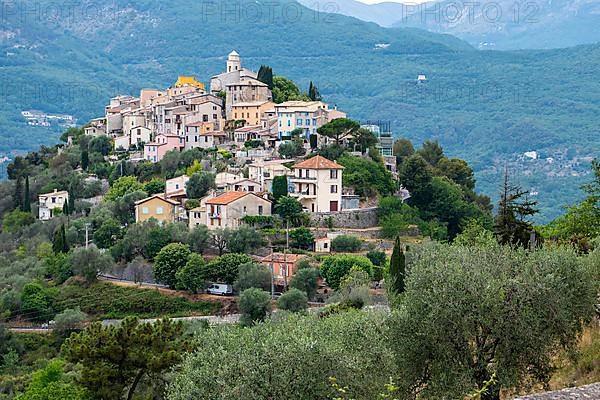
318,184
253,112
157,207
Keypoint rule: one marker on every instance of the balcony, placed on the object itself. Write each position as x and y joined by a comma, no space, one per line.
305,194
303,179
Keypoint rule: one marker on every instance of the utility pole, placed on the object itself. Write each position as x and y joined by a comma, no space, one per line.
272,276
87,241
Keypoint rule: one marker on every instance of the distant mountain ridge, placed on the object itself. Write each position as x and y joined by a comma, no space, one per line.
486,107
497,25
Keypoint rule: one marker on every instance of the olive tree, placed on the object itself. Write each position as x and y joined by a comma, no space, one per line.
293,358
468,313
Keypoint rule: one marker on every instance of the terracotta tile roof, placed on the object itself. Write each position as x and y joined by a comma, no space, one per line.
227,198
280,257
318,162
198,123
158,196
212,133
248,128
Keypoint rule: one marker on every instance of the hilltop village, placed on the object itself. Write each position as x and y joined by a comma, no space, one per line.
237,117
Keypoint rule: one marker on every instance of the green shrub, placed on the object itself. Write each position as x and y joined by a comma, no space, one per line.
334,268
293,300
255,304
346,243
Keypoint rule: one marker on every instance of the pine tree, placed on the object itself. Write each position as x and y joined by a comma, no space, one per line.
511,224
26,200
313,92
397,268
59,241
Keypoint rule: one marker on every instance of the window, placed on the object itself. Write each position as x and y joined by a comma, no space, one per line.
54,200
325,245
245,208
298,122
214,116
333,188
307,121
145,210
260,210
159,211
289,122
333,174
176,186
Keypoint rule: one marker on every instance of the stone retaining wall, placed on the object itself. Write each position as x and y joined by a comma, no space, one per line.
361,218
588,392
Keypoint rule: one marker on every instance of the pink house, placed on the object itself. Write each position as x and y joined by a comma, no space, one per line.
155,151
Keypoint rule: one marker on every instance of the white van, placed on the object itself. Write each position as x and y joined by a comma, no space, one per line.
220,289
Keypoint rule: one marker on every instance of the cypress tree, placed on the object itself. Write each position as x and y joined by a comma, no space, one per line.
313,92
265,75
85,160
18,196
280,187
59,241
26,200
313,141
397,268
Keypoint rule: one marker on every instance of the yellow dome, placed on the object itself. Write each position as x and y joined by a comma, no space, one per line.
188,80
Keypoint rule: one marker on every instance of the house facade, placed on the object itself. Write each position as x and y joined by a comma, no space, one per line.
157,207
283,266
228,209
155,151
317,184
305,115
176,186
246,185
49,202
263,172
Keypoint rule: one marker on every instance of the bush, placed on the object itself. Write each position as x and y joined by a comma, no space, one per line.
255,304
334,268
69,320
293,300
226,267
377,257
305,279
17,219
302,238
168,261
193,275
346,243
35,302
253,275
89,262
